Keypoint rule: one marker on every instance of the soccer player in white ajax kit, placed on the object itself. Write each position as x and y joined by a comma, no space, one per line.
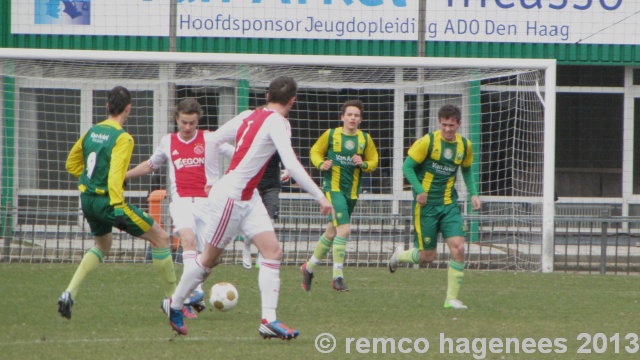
185,151
236,206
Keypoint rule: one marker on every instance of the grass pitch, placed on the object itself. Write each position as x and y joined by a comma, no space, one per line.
510,316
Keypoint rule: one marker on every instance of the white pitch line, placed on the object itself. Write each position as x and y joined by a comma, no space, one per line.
72,341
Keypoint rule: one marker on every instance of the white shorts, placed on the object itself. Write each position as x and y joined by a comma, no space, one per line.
190,212
230,217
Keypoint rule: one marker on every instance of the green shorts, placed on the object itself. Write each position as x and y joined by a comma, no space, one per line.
428,220
342,206
99,215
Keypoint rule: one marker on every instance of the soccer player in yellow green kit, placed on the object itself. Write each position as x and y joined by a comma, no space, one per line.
100,159
342,154
431,169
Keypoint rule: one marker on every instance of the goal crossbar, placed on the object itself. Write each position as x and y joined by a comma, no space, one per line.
399,84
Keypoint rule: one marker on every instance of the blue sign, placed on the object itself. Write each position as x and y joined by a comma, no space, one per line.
54,12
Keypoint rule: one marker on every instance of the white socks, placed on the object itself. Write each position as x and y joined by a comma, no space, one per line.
269,283
193,274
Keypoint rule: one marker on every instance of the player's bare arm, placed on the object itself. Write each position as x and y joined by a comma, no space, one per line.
141,169
325,206
475,201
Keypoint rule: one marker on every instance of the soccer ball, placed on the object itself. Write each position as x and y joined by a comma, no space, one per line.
224,296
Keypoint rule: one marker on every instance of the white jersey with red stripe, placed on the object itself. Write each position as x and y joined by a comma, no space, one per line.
186,168
258,134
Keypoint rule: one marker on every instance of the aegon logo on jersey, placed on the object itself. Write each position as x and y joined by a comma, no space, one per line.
189,162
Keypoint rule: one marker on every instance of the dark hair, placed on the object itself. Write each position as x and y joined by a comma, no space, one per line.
354,103
117,100
188,106
449,112
282,89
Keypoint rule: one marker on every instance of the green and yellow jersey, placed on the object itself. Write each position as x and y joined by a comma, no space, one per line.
339,147
100,159
432,165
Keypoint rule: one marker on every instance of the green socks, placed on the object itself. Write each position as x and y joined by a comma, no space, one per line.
321,250
409,256
339,246
455,277
89,262
339,253
163,263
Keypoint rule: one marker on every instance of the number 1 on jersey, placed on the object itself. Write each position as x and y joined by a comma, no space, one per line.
91,164
246,130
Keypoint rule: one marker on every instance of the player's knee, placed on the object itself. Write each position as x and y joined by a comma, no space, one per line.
271,252
210,257
457,251
105,248
343,231
277,254
427,257
216,261
458,256
330,235
157,237
188,243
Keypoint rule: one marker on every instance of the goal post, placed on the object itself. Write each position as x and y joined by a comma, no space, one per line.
50,97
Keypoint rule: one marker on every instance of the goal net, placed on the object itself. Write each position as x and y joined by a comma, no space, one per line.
49,98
